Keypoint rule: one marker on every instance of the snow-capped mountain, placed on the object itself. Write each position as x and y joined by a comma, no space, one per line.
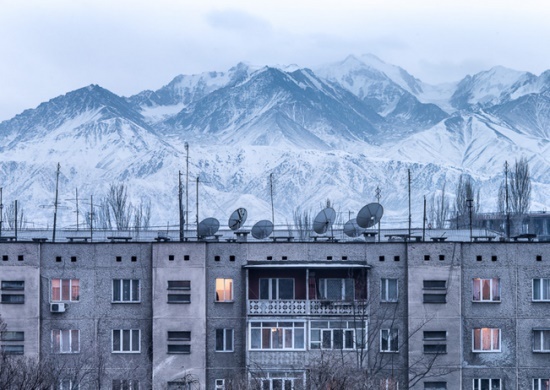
336,132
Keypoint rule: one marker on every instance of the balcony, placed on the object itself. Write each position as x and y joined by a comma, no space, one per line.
307,307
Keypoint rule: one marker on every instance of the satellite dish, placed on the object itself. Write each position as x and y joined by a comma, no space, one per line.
352,229
262,229
324,220
370,215
208,227
237,218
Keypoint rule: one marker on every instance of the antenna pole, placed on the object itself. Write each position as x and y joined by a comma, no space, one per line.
180,195
271,192
77,210
507,209
378,195
424,221
410,216
1,212
55,203
186,186
16,220
91,217
197,207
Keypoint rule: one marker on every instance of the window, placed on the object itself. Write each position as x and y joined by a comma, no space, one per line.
276,288
12,298
126,290
486,340
486,384
220,384
435,385
12,349
337,289
435,341
65,341
179,348
65,290
277,335
179,285
279,380
126,340
336,334
67,384
541,289
389,340
179,336
179,298
541,340
486,290
541,384
12,336
125,384
389,384
388,290
224,290
434,284
13,285
224,340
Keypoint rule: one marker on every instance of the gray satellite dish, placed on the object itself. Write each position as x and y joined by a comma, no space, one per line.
324,220
370,215
237,218
208,227
352,229
262,229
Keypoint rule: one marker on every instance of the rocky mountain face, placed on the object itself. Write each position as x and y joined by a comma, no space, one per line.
337,132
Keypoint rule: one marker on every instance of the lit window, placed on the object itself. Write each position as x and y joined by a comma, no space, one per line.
65,290
486,290
65,341
486,340
541,384
224,340
541,340
389,340
277,335
486,384
126,290
275,288
541,289
224,290
388,290
337,289
126,340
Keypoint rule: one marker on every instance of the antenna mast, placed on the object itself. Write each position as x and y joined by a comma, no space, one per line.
180,196
507,209
1,212
410,216
56,199
271,192
186,186
197,207
91,217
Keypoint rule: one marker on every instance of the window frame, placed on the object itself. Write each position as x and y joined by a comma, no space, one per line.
125,384
261,334
343,296
541,340
58,347
12,349
227,335
541,290
538,383
121,348
71,293
477,383
227,287
274,288
17,335
385,290
391,341
481,298
12,299
16,285
351,336
121,291
481,338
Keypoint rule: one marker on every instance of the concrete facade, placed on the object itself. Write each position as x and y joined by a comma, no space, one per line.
465,310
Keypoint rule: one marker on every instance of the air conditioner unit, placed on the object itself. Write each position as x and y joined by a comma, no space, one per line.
58,307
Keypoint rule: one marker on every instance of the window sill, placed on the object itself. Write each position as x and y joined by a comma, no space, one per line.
178,303
548,351
473,301
540,300
493,351
224,301
126,352
389,301
225,351
131,302
389,351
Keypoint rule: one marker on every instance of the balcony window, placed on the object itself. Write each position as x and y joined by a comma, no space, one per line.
277,335
337,289
336,335
277,288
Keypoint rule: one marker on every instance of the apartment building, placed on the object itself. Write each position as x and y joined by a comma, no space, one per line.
281,315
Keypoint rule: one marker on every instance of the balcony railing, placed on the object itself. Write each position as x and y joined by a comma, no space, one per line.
313,307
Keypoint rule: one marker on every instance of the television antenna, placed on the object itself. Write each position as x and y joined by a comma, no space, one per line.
262,229
324,220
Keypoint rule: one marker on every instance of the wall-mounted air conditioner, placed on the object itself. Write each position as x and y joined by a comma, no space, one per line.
58,307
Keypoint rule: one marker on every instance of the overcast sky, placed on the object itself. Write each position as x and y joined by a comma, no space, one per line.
50,47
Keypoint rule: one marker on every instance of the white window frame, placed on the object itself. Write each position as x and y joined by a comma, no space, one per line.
351,334
480,282
67,384
539,337
224,290
132,298
343,292
73,284
219,384
389,384
121,348
487,332
228,334
284,332
544,294
125,384
274,289
478,382
385,290
541,383
63,341
392,337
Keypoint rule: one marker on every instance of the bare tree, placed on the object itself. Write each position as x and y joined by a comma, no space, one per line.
302,223
119,206
520,187
439,209
467,201
10,217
